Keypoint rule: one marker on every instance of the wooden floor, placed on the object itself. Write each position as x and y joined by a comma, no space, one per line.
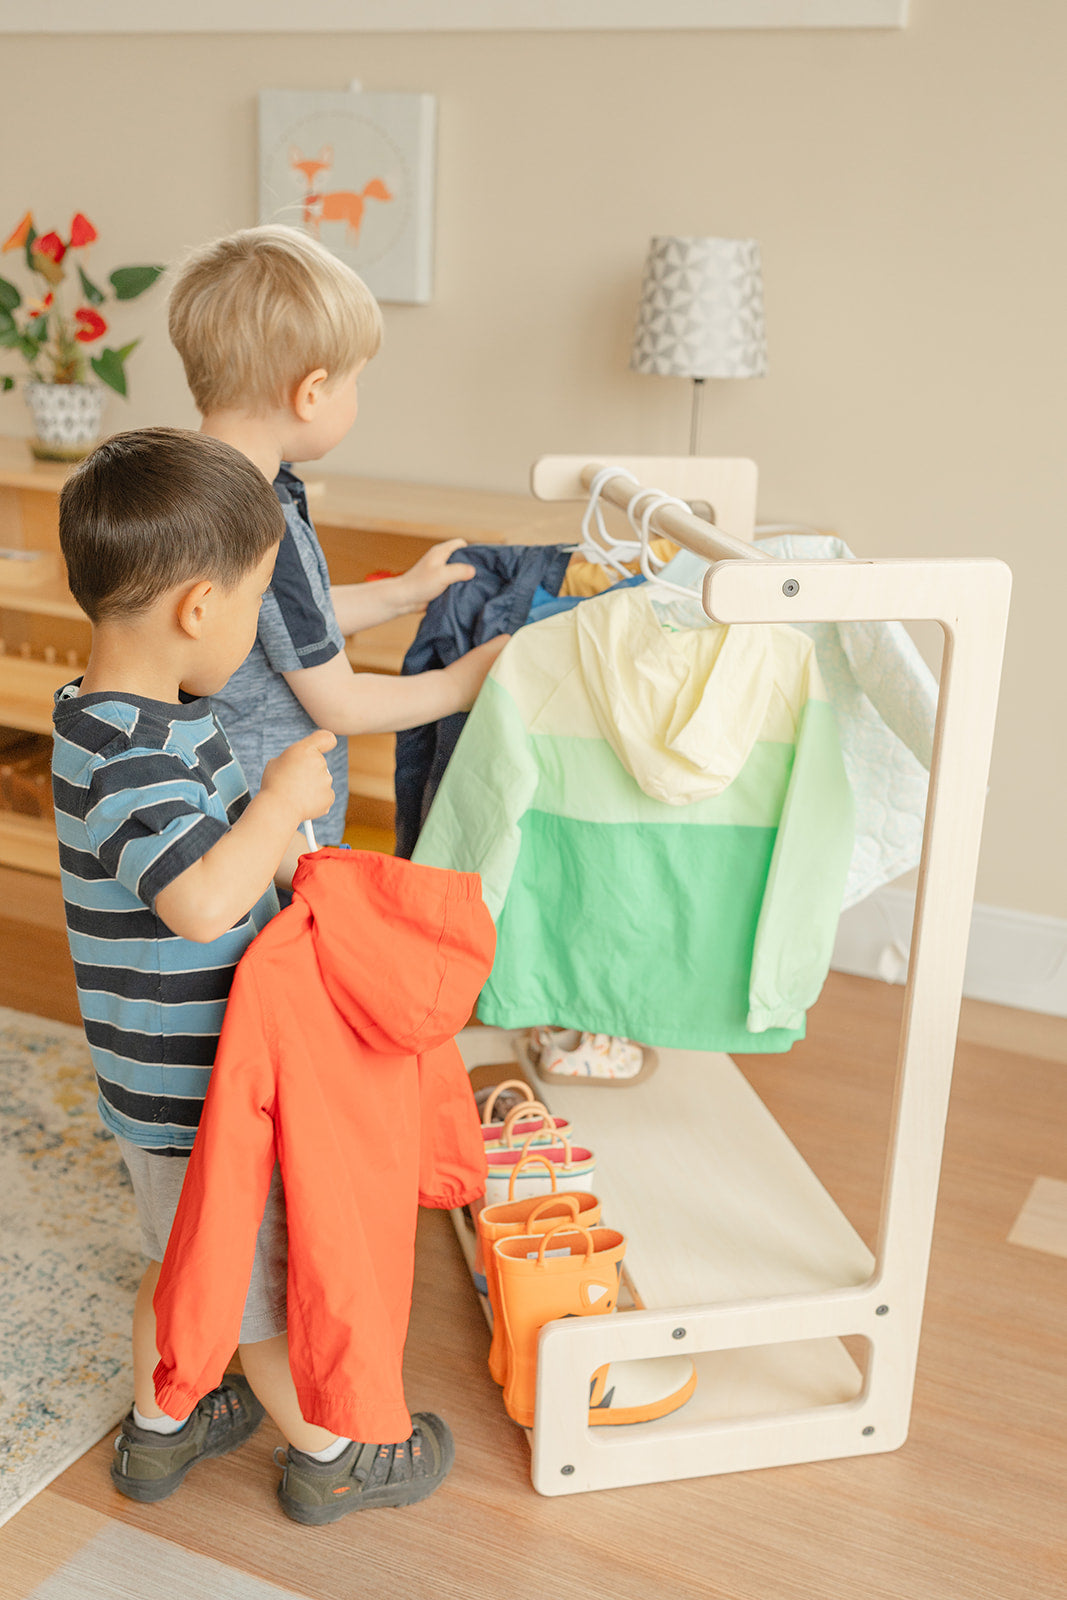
972,1507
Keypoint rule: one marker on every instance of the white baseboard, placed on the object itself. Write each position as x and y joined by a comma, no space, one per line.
1015,958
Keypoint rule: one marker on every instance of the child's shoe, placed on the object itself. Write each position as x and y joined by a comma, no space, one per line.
497,1099
149,1466
567,1055
366,1475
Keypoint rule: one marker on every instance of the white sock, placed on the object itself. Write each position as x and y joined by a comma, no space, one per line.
158,1424
331,1452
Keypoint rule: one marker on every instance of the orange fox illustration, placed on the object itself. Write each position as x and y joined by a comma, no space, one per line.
339,205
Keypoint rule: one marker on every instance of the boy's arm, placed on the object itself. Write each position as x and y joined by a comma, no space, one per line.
206,899
344,701
364,605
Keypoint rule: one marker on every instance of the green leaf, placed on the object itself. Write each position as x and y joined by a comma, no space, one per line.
9,296
127,350
6,383
12,339
94,295
7,321
30,237
129,282
37,330
109,369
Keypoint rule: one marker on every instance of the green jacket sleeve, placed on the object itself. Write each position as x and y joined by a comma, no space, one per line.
473,825
806,883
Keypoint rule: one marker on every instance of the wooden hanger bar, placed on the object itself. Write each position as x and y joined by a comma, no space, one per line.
704,539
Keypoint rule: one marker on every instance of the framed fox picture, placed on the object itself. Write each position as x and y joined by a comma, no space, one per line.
356,171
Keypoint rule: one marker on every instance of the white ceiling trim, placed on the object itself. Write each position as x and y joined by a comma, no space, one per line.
437,16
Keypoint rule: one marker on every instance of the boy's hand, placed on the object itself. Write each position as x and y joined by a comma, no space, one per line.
471,670
431,575
300,776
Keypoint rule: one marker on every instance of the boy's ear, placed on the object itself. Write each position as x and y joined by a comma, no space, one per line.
307,392
192,607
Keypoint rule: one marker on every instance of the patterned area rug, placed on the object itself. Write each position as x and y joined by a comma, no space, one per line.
70,1259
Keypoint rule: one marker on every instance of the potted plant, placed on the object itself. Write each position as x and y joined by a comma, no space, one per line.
53,336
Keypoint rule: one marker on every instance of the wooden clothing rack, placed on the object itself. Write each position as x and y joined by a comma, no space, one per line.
737,1254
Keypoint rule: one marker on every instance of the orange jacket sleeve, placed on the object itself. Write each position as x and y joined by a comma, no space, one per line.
199,1303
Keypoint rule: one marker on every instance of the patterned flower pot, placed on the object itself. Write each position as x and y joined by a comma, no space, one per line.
66,419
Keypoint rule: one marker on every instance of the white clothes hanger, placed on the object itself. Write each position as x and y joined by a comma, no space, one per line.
604,548
614,554
655,498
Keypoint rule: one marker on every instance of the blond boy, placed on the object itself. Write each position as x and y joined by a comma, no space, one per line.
274,332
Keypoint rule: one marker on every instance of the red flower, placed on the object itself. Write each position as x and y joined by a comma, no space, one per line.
20,234
92,324
39,307
82,232
50,245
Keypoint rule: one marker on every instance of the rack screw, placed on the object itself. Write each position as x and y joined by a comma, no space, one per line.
866,1433
790,587
679,1333
881,1311
566,1471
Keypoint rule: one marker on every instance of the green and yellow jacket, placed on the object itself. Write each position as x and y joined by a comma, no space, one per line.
662,823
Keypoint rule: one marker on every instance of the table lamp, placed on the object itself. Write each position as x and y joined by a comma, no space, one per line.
701,314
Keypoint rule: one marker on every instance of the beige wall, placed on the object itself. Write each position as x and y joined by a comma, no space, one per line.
906,187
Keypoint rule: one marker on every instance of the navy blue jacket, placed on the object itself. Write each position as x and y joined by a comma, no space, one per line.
496,600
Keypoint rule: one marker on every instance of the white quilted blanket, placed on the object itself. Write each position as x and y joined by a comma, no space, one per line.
885,698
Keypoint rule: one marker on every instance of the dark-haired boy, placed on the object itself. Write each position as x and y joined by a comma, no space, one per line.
167,866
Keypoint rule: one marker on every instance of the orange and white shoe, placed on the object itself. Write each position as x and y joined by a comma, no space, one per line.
640,1391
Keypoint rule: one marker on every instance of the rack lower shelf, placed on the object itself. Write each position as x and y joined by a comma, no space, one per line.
718,1208
715,1202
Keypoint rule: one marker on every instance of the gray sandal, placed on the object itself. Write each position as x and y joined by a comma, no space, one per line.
366,1476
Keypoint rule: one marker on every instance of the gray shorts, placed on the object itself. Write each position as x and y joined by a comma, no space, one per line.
157,1184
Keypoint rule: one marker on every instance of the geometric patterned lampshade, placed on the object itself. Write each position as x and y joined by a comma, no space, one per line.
701,311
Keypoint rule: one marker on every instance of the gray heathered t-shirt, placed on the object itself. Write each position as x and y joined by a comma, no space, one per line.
259,713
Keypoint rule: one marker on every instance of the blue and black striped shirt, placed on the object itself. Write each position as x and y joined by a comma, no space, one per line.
142,790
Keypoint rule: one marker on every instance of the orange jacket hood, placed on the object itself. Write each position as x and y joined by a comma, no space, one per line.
411,991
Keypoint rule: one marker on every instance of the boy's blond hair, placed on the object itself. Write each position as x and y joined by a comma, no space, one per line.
253,313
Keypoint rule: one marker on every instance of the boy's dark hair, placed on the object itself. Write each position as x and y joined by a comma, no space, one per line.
157,507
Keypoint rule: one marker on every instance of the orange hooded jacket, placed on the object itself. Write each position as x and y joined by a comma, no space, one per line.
337,1058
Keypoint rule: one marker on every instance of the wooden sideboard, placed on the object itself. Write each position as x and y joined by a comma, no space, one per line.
365,525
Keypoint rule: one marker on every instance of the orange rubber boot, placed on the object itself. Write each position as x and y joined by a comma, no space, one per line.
565,1272
511,1219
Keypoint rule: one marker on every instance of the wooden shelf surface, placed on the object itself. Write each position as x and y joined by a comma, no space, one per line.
27,690
29,843
19,469
383,505
421,510
692,1155
50,598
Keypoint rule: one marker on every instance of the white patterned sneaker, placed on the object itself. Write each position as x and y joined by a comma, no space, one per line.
560,1054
